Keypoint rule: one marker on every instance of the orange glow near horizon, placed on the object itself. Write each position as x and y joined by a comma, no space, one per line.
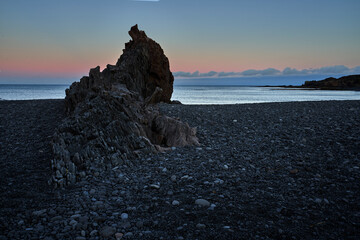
59,63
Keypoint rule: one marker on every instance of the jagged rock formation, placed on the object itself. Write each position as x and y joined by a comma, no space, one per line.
351,82
112,116
142,68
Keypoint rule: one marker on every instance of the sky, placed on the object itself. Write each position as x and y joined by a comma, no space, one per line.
44,41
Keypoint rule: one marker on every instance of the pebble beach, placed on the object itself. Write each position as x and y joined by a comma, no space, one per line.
263,171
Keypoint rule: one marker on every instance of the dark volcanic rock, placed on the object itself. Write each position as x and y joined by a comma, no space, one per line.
343,83
112,116
144,60
142,68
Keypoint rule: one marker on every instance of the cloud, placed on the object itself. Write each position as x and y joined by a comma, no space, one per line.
265,72
356,69
250,72
337,69
294,71
187,74
195,74
228,74
208,74
270,72
332,69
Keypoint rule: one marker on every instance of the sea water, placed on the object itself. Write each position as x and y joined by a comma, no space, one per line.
251,94
31,91
195,94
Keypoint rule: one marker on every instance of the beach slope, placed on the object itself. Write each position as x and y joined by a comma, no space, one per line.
272,170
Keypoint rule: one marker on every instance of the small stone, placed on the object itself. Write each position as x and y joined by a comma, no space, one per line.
93,233
118,236
99,204
155,186
83,233
173,178
200,226
175,203
212,206
126,225
124,216
83,219
75,216
226,167
202,202
235,121
39,213
317,200
107,231
92,191
294,171
58,175
51,212
129,235
56,218
21,222
73,222
139,224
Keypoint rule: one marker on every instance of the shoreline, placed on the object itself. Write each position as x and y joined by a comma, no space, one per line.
291,87
212,104
272,170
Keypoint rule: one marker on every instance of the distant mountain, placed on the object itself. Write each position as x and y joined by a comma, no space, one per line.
351,82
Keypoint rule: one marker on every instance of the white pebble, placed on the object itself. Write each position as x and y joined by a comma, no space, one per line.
155,186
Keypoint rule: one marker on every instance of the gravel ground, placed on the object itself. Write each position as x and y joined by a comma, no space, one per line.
263,171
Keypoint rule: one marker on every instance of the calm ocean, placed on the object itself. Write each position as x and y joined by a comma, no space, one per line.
194,94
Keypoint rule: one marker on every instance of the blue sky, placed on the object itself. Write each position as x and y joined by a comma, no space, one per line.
63,39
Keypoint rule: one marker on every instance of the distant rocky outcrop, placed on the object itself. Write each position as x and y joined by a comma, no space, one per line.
351,82
112,117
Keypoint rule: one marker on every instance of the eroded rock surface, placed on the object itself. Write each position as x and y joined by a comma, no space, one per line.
112,116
